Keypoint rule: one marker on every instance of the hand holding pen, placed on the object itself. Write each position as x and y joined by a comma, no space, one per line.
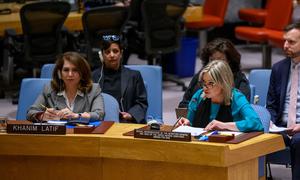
183,122
49,114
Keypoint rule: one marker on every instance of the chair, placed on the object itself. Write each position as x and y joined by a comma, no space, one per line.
29,91
97,21
111,108
254,15
42,24
252,93
152,76
162,20
265,117
260,78
276,39
47,70
274,21
213,16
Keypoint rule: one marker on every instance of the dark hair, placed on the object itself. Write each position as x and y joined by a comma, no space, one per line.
85,84
107,40
226,47
292,26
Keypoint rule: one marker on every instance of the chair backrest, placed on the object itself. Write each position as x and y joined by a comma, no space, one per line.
111,108
152,76
215,8
252,93
99,21
264,116
162,21
260,79
47,70
275,20
42,24
30,89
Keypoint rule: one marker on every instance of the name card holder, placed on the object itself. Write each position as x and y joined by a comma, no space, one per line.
162,135
26,127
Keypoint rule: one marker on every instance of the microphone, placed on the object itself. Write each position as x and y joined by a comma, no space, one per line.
154,125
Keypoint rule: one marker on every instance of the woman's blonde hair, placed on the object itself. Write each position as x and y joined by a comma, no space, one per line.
221,74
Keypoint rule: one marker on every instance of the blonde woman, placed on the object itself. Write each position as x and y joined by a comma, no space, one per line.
218,105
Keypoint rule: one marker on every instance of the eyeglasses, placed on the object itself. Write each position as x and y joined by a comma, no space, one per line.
111,37
208,85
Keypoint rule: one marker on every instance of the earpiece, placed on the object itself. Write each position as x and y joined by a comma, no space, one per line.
58,74
100,56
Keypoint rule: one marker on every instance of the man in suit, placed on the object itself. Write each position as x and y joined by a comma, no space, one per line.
283,99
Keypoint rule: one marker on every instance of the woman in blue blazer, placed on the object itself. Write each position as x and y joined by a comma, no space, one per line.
219,106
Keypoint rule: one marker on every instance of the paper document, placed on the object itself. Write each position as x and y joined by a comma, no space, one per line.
274,128
188,129
56,122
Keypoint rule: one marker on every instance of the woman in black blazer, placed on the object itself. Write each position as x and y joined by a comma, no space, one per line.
126,85
219,49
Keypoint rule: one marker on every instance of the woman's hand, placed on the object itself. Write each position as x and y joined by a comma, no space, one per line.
49,114
183,122
126,116
66,113
218,125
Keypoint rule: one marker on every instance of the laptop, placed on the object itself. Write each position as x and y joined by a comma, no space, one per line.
181,112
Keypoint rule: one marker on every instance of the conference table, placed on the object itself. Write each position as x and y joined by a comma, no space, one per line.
73,21
115,156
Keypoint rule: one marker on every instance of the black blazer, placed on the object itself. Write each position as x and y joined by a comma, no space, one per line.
277,90
133,93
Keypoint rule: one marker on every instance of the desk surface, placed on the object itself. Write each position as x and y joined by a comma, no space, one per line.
114,156
114,145
73,21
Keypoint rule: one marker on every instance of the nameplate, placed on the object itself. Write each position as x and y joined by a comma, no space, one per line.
162,135
35,128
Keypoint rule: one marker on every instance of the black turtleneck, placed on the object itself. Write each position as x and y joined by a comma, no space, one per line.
112,82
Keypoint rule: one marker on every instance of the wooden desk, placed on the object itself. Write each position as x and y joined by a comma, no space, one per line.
73,21
113,156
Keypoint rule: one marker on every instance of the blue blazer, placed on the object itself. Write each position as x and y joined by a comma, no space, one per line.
277,90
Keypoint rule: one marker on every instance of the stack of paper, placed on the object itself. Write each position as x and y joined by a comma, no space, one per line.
188,129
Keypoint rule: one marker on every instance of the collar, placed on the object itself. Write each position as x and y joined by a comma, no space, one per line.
63,93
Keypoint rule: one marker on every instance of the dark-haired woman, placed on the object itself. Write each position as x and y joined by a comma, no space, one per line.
71,95
126,85
219,49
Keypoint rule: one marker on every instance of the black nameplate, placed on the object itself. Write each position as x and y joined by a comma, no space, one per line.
162,135
36,129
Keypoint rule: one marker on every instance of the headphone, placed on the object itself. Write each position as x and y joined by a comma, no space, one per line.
102,64
100,56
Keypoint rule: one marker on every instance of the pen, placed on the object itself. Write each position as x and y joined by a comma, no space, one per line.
83,125
43,106
204,137
176,123
214,132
